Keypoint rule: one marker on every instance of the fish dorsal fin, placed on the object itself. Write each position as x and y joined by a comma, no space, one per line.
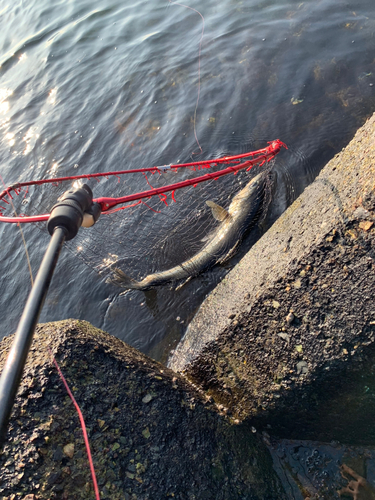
218,212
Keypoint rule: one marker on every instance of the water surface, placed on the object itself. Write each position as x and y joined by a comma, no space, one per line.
108,85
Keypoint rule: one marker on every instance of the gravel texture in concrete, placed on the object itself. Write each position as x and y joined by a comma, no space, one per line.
288,336
152,435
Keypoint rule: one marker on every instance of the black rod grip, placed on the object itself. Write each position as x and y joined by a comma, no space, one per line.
69,210
13,368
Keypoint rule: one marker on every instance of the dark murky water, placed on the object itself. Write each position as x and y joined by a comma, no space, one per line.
312,470
107,85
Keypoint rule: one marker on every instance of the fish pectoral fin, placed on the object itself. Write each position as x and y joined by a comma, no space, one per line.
218,212
228,255
183,283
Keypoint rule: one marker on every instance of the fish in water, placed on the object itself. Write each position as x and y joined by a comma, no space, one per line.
222,243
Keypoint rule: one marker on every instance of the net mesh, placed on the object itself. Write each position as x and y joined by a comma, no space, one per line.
149,238
149,235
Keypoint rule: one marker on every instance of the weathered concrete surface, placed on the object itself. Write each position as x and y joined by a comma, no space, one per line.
281,339
152,434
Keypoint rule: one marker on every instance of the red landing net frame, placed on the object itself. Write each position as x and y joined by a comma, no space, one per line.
238,162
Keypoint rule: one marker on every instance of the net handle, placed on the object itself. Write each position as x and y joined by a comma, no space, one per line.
262,155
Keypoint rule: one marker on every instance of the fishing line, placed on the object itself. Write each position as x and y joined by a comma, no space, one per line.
219,190
84,431
199,70
22,236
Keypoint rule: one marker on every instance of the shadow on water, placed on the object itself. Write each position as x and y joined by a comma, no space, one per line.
329,444
314,470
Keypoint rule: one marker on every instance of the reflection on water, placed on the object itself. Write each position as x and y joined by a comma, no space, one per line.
312,470
88,87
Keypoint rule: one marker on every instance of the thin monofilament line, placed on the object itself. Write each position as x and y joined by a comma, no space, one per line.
22,236
199,69
96,489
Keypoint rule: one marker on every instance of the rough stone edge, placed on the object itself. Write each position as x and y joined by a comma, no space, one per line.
330,199
42,407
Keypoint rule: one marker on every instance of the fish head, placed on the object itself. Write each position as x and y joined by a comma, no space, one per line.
244,200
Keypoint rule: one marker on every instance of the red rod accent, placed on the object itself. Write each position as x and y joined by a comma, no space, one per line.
265,154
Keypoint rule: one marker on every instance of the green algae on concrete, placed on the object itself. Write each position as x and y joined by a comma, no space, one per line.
152,434
288,336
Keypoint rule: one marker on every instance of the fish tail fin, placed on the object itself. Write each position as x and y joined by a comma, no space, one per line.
119,278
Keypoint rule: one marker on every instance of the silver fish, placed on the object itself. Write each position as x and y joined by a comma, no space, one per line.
221,246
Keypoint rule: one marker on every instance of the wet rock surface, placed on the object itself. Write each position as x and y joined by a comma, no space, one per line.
287,339
152,435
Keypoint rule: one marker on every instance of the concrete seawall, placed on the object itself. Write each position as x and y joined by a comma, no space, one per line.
281,338
152,434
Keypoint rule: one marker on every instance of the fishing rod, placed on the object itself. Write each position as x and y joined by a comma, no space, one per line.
74,209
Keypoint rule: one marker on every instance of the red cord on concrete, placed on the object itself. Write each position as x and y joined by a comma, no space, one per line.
85,436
